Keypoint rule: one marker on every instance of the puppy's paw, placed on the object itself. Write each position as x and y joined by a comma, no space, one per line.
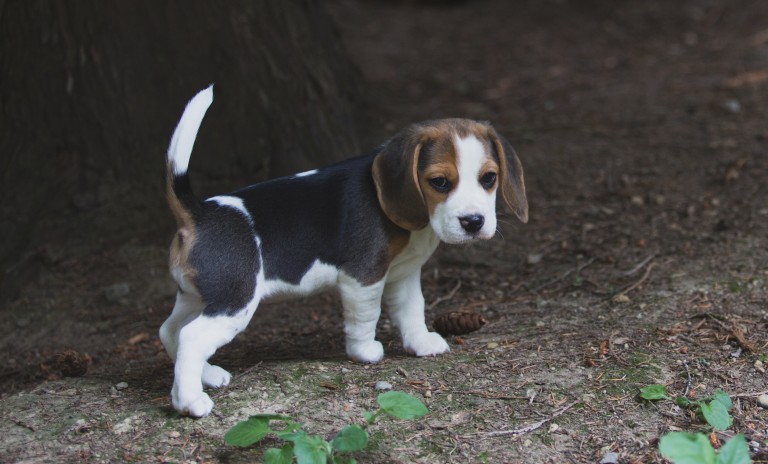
215,377
193,405
426,344
365,352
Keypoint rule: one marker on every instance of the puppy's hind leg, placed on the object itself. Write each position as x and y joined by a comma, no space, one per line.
187,307
198,341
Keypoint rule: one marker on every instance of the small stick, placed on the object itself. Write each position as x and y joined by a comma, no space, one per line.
532,427
688,382
749,395
640,265
447,297
564,275
640,281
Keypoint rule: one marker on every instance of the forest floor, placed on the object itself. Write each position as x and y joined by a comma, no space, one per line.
642,130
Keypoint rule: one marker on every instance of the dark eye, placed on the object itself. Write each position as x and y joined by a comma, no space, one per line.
441,184
488,179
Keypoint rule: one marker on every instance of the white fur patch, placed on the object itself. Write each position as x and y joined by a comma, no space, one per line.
232,202
306,173
403,297
320,276
180,148
468,198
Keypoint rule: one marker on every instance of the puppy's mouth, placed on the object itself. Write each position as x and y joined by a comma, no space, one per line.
467,237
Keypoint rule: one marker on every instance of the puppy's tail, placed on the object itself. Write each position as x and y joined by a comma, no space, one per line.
178,189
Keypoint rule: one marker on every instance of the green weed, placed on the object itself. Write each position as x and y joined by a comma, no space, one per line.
313,449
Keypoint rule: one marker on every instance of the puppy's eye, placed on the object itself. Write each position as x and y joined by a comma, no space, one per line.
441,184
488,180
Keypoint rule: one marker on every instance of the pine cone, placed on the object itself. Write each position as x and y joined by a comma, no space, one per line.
72,363
458,322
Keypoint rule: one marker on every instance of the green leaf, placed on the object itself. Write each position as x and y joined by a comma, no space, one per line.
734,451
653,392
343,460
401,405
247,432
369,417
351,438
716,415
311,449
722,397
279,456
687,448
292,432
683,402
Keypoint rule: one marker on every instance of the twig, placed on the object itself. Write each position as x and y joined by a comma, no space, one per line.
749,395
529,428
640,265
564,275
687,382
736,332
640,281
447,297
489,395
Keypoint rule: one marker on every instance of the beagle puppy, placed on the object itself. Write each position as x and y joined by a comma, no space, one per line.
364,226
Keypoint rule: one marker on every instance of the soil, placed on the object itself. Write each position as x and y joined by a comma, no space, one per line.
641,127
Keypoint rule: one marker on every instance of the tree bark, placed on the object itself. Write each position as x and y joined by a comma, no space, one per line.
90,92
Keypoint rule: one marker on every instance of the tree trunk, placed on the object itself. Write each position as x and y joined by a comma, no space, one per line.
90,92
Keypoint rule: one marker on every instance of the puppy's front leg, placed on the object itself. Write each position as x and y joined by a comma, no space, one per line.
362,308
405,304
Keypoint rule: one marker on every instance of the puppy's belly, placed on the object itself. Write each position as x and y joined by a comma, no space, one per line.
318,278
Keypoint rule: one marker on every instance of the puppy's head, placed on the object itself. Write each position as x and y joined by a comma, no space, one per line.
449,174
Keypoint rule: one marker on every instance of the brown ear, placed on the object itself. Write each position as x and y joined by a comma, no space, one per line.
512,184
397,183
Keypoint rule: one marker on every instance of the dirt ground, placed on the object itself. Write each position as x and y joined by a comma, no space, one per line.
642,130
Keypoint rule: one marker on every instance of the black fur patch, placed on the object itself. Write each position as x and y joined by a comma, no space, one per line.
332,215
226,257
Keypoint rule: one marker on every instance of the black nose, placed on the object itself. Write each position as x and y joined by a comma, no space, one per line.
472,223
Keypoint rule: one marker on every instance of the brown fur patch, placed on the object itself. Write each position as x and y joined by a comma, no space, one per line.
402,179
184,239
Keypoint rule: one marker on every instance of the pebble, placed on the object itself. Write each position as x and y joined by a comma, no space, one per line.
762,401
383,385
344,370
732,105
115,292
174,434
759,366
610,458
534,258
121,385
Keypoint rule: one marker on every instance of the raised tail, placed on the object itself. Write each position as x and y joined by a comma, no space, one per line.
178,189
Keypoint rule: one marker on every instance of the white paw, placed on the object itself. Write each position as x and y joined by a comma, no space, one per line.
426,344
215,377
193,405
365,352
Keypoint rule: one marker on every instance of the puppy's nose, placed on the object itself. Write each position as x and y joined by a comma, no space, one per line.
472,223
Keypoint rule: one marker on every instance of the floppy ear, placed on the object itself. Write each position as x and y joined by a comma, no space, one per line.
512,183
397,183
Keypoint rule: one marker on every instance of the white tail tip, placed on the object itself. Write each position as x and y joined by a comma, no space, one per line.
180,149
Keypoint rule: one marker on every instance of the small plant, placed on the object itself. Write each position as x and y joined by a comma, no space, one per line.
313,449
695,448
714,410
